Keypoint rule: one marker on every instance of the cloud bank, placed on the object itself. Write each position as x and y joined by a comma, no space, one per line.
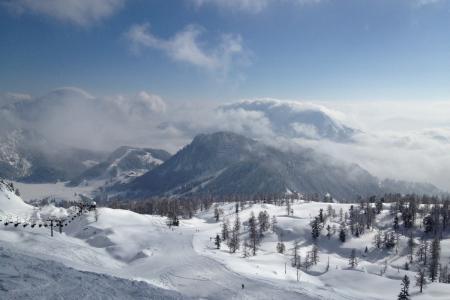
399,140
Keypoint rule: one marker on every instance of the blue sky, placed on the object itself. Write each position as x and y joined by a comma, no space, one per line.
223,50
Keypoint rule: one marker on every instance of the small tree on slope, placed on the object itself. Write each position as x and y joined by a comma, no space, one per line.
404,293
353,260
217,242
253,233
433,267
342,235
421,279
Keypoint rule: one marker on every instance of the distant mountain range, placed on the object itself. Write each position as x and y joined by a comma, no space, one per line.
226,163
32,149
28,157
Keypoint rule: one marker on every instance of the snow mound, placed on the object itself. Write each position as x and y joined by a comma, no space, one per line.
26,277
10,203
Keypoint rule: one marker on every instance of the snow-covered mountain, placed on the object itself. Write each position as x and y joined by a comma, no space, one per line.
297,119
123,164
226,163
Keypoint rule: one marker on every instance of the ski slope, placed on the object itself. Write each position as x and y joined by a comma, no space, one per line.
128,251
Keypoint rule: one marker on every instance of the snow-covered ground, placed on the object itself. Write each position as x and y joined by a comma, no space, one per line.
58,191
152,259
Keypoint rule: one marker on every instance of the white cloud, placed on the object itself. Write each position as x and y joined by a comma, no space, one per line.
186,46
399,140
78,12
73,117
427,2
253,6
140,105
249,6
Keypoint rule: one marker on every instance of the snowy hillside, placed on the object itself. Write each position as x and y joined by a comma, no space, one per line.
10,203
28,277
185,259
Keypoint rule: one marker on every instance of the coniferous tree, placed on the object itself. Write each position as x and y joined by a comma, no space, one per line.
295,254
342,235
245,248
315,254
422,252
217,241
428,224
233,241
353,260
281,247
288,207
421,279
433,267
378,207
328,231
377,239
321,218
307,262
263,219
216,214
237,223
395,225
315,228
253,233
404,293
274,223
389,240
225,230
341,215
411,245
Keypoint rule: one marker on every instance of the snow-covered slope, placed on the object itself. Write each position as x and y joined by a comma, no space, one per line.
126,245
10,203
26,277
